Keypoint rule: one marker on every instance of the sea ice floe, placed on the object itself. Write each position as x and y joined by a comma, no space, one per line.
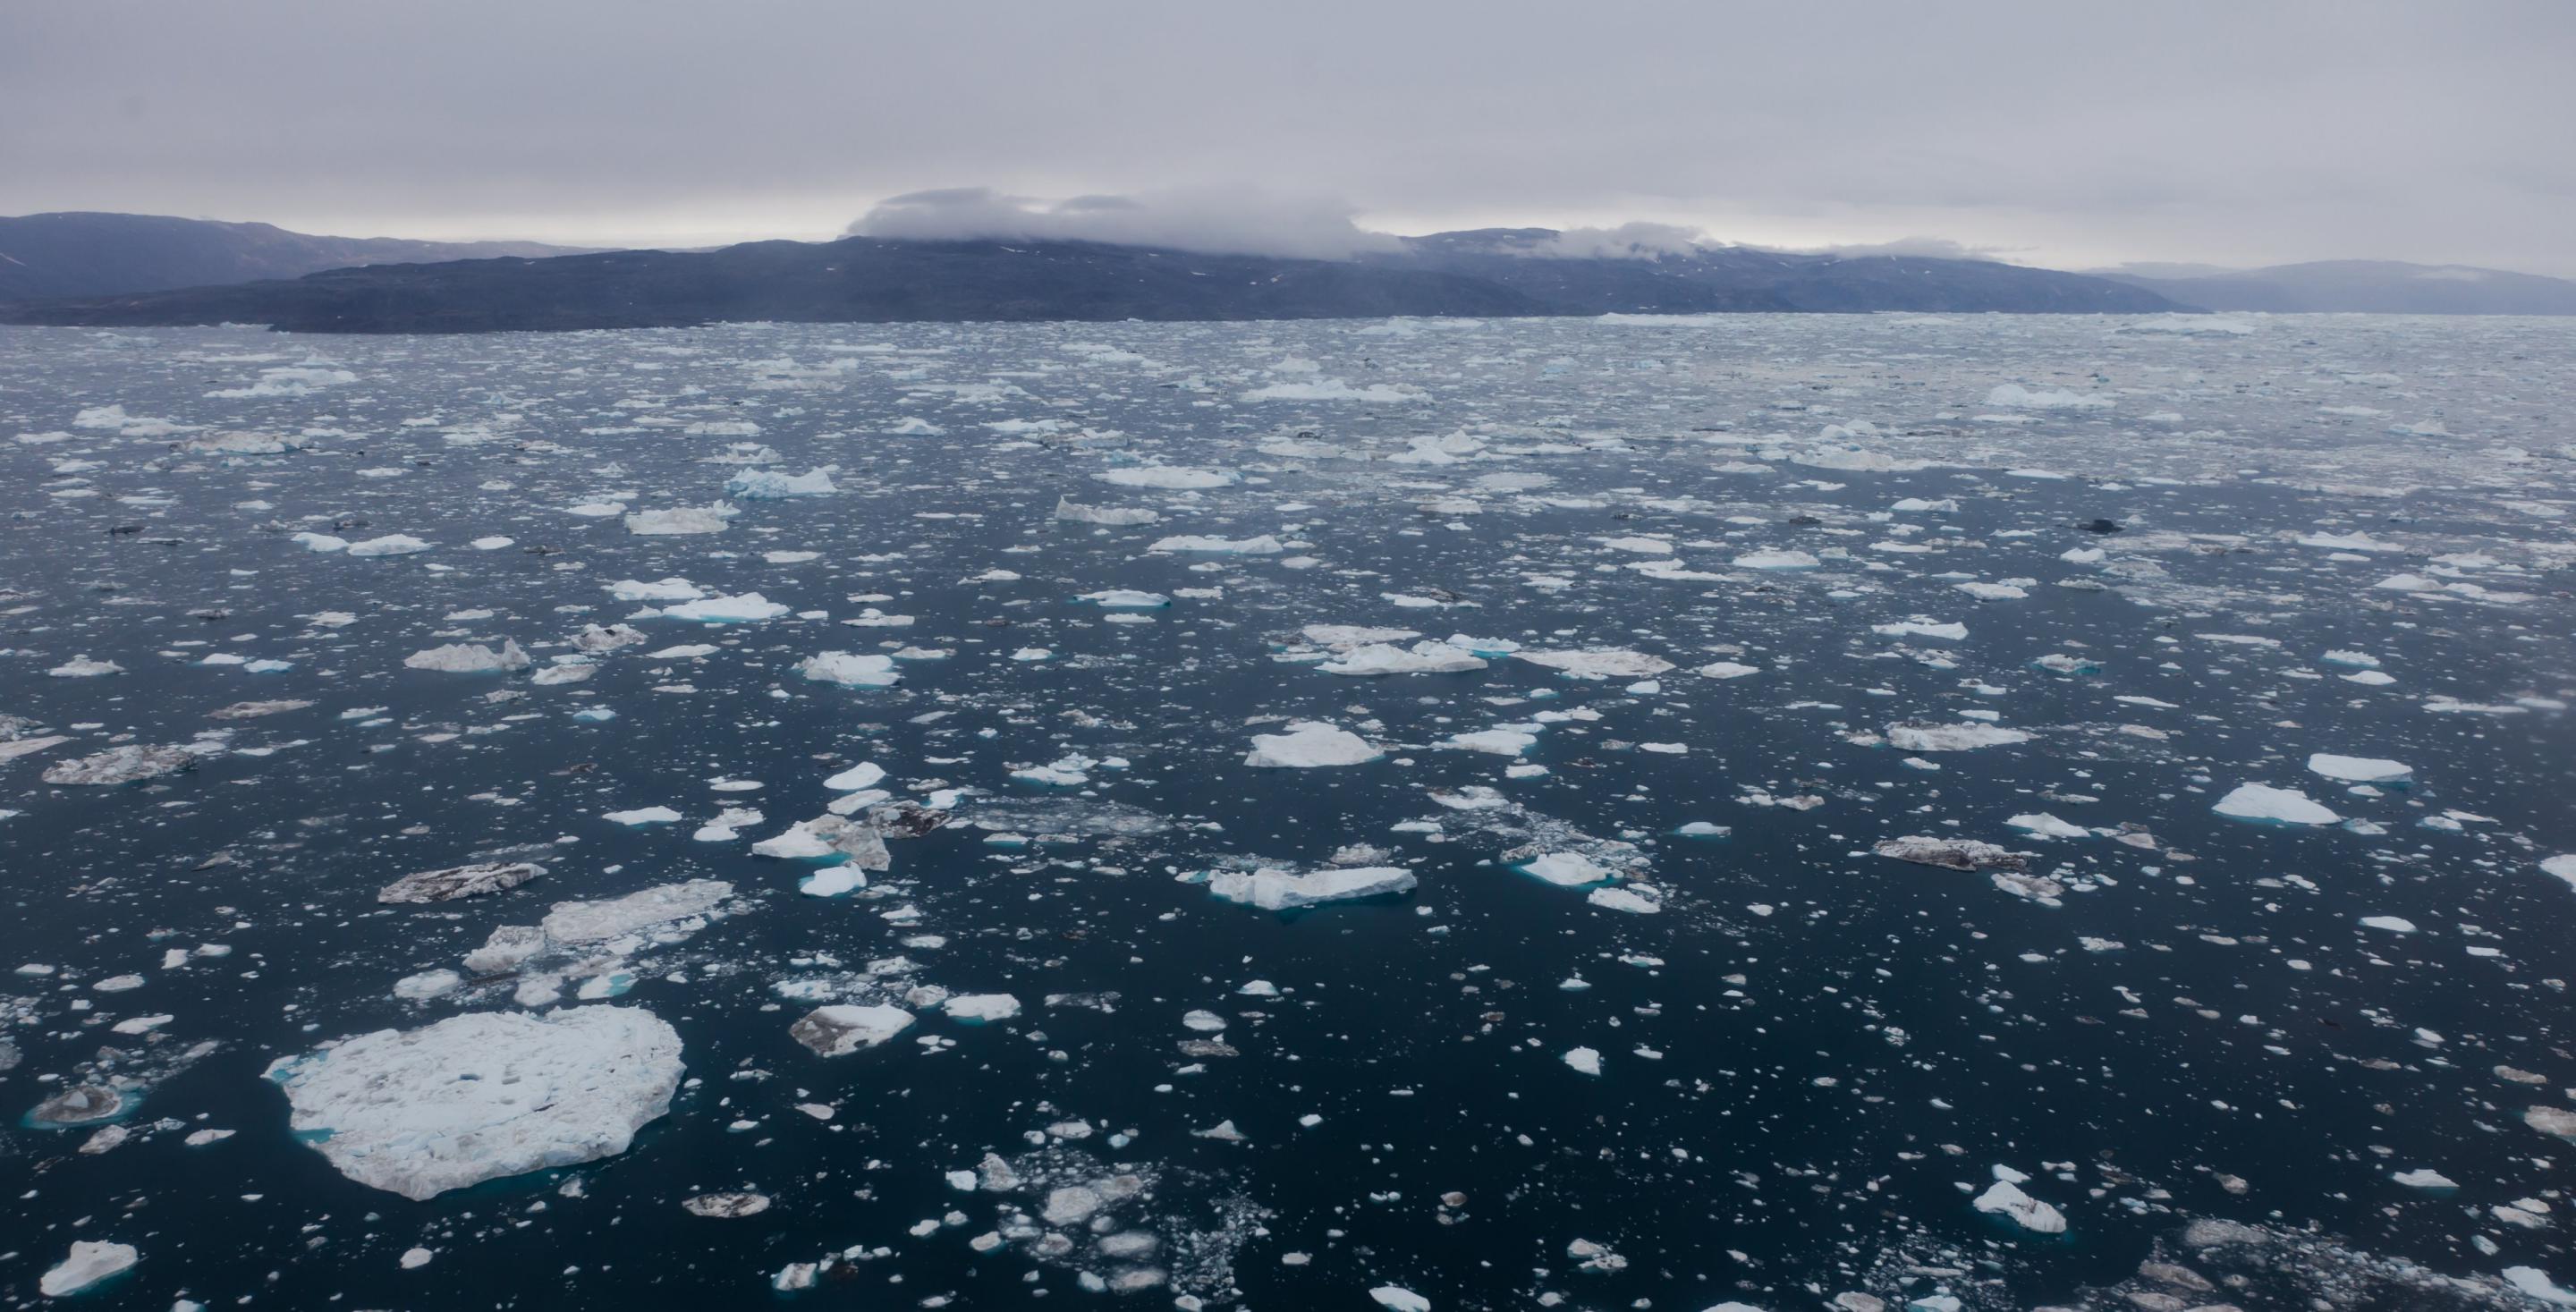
2358,769
850,669
1309,744
481,1096
1384,658
837,1031
90,1261
1925,737
1279,890
2263,802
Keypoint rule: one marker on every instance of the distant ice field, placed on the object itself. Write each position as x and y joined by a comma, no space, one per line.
1782,812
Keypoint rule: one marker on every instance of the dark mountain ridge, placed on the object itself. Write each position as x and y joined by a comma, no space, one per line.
93,254
2358,287
874,280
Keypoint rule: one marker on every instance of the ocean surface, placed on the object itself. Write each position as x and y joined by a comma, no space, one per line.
1633,1011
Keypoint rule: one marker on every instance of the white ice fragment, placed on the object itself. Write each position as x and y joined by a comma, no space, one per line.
89,1262
1170,478
1278,890
481,1096
2358,769
1067,509
1599,663
2265,803
469,658
1951,737
1382,658
2006,1198
1309,744
838,1031
983,1006
744,609
850,669
685,519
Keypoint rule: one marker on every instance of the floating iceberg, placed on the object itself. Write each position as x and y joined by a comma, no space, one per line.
1265,545
2265,803
482,1096
2005,1198
89,1262
1278,890
2014,396
2358,769
850,669
1424,658
747,608
476,880
392,544
1308,744
1776,560
464,658
770,485
1169,478
841,1030
685,519
1599,663
127,764
1952,737
1952,853
1066,508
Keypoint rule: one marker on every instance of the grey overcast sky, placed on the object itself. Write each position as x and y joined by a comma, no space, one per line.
2068,133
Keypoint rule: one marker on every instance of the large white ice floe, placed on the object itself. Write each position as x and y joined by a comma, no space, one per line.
838,1031
1774,559
129,763
1264,545
477,880
392,544
1952,737
1074,512
2263,802
1384,658
1169,478
2005,1198
89,1262
470,658
482,1096
850,669
1309,744
671,589
1599,663
2358,769
770,485
749,607
1279,890
2014,396
681,520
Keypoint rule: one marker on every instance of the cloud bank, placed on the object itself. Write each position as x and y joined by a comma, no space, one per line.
1227,220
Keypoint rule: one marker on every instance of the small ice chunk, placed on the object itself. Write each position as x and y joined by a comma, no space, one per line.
2006,1198
838,1031
983,1006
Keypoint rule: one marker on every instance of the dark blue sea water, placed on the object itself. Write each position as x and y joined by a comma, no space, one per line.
1811,1058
